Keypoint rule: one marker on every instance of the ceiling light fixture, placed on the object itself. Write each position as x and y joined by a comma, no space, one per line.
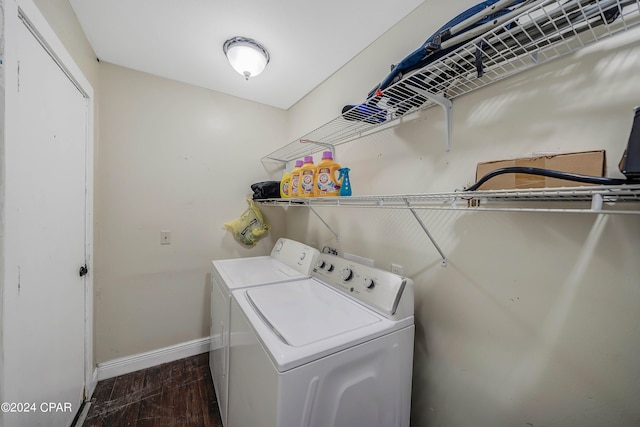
246,56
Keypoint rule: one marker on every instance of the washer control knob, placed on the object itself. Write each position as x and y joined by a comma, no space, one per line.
303,255
328,266
346,274
368,283
278,246
320,264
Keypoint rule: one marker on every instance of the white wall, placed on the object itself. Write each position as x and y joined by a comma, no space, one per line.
533,321
172,157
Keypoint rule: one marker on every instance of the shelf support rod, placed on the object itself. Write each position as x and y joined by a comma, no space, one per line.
323,221
426,230
446,105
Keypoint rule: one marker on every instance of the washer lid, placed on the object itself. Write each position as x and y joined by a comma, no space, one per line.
302,313
244,272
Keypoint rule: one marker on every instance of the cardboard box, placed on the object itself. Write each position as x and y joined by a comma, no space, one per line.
585,163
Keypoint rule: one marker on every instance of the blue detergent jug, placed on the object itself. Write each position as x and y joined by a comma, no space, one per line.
345,184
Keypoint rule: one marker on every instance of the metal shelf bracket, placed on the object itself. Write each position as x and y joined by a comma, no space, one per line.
323,221
443,263
446,105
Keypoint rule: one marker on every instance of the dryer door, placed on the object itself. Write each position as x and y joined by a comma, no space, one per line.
299,322
302,313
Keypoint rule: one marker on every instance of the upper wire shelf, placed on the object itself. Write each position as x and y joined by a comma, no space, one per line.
546,31
622,199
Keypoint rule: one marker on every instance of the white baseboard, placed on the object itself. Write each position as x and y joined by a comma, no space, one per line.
125,365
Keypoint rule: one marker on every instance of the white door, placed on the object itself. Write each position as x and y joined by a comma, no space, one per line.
46,191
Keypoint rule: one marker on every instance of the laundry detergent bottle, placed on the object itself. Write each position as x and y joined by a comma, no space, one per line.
295,179
326,182
285,185
307,175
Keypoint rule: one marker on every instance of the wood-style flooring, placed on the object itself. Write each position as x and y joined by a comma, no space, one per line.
176,394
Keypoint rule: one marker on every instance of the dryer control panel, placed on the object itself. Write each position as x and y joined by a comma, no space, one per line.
296,255
382,291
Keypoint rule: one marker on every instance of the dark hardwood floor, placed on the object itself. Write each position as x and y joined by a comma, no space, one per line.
178,393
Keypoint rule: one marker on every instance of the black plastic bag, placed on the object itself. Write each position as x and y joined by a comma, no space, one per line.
266,190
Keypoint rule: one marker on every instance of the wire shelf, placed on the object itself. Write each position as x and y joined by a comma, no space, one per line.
623,199
547,30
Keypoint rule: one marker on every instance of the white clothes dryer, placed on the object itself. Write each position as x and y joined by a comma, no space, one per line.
334,350
289,260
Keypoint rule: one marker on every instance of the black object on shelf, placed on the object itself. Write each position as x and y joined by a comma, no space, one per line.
630,163
266,190
588,179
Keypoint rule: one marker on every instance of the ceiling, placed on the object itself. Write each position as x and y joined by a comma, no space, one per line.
308,40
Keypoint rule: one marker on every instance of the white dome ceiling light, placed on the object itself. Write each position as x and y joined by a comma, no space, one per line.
248,57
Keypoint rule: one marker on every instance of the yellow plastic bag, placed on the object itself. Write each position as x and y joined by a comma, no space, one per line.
250,227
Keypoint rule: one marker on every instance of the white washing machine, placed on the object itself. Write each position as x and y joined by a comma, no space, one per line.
334,350
289,261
